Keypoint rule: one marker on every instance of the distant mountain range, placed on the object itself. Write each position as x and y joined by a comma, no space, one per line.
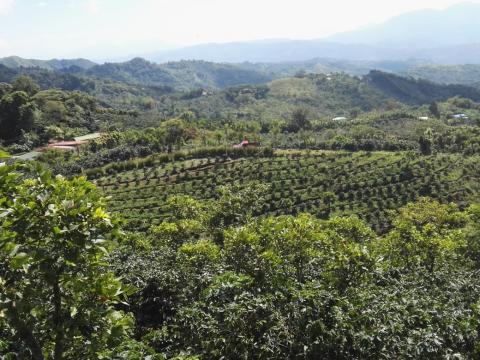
141,70
268,51
450,36
302,50
423,29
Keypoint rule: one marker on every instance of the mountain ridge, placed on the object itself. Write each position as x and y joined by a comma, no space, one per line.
422,29
448,36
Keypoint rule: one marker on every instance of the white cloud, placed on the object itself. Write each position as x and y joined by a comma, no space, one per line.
6,6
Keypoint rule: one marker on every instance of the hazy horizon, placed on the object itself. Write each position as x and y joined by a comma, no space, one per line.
109,29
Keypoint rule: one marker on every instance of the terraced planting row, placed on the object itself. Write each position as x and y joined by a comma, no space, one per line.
321,183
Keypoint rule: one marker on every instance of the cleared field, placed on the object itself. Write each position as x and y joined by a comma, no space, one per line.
321,183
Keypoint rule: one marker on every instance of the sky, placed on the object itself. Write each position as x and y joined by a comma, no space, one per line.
109,29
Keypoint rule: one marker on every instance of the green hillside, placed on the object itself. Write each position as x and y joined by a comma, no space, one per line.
322,183
323,95
417,91
215,91
468,74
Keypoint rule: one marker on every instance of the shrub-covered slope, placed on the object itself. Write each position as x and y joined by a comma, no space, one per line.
321,183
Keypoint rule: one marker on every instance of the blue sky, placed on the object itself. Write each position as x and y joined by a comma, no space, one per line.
102,29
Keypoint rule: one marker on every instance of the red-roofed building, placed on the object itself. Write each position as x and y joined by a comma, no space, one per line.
245,143
65,145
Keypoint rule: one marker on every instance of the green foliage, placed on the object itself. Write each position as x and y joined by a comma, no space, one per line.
299,120
4,154
53,157
55,295
235,205
174,132
426,234
43,115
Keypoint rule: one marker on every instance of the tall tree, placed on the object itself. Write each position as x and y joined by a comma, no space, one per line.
434,110
17,113
299,120
174,132
426,142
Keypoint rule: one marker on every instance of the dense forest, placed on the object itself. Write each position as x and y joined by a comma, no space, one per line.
195,210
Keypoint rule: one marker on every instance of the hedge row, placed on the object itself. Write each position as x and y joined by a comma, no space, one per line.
162,158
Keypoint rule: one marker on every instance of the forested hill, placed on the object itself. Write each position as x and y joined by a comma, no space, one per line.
323,95
417,91
182,75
